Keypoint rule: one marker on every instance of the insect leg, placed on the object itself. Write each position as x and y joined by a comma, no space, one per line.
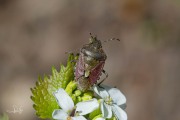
104,78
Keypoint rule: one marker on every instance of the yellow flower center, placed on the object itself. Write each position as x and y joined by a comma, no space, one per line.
69,118
108,100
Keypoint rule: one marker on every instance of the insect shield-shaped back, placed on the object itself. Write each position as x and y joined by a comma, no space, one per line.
90,64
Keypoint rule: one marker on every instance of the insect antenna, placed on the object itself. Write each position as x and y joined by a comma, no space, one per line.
111,40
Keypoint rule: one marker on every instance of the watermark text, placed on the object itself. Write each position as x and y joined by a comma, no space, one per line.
16,109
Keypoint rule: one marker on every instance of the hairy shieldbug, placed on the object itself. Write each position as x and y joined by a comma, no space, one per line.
90,63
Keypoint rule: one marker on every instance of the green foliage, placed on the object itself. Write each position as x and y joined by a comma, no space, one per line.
44,101
77,95
93,115
4,117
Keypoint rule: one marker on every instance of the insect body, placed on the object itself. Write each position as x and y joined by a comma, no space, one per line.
89,66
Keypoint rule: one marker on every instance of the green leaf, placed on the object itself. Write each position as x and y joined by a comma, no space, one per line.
98,116
44,101
95,113
4,117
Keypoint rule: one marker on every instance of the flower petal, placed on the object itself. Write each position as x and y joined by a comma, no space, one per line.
116,95
64,100
106,110
100,118
79,118
59,114
119,113
86,107
100,91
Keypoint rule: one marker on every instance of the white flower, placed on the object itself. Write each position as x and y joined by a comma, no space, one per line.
112,99
100,118
69,111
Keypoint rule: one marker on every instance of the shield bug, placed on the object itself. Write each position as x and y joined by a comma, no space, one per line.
90,63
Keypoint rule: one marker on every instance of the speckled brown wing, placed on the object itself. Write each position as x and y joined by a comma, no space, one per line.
79,70
96,72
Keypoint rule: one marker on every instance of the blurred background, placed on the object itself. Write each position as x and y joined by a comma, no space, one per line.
144,65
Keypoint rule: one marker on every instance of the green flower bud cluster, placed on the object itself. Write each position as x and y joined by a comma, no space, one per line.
77,95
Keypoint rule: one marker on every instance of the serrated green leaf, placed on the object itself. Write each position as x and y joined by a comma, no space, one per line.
44,101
